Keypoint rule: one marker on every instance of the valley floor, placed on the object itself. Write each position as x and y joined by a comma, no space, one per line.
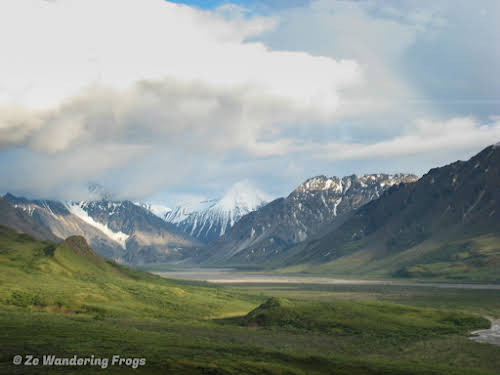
232,276
208,346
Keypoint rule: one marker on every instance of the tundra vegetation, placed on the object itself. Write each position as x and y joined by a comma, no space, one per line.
63,299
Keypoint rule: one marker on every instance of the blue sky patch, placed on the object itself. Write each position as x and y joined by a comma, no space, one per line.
257,5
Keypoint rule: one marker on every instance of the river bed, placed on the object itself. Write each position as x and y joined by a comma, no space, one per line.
232,276
488,336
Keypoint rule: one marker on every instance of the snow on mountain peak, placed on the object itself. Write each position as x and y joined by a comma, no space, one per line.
320,183
207,219
242,195
159,210
341,185
187,208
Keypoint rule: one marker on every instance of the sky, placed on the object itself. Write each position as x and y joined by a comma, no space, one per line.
161,101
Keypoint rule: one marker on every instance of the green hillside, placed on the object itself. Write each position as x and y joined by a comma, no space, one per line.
71,278
364,319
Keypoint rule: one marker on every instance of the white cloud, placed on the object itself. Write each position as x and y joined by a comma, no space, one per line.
54,50
102,86
81,75
378,37
147,94
179,115
424,137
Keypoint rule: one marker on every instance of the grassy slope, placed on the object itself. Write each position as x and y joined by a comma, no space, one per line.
65,300
42,276
364,319
472,259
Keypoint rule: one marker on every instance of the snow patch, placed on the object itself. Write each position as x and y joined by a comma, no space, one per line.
337,202
244,196
184,210
156,209
202,216
29,209
119,237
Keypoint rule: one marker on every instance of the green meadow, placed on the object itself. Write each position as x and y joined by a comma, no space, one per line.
475,259
65,300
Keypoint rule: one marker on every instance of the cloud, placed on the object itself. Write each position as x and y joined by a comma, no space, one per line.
152,72
194,116
64,175
150,40
351,29
150,95
100,87
438,52
425,137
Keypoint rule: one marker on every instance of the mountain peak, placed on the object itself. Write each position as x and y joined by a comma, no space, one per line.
242,195
98,192
341,185
319,183
12,199
207,219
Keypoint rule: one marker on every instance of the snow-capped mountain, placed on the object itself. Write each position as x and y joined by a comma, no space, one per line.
80,209
21,220
159,210
145,237
120,230
64,220
312,208
207,219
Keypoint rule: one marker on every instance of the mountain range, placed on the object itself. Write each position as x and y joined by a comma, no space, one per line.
443,225
446,224
266,234
119,230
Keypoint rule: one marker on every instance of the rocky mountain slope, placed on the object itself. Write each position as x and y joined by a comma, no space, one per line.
119,230
22,221
208,219
445,224
317,204
55,217
145,237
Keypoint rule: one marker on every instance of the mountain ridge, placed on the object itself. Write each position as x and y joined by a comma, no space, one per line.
447,220
266,234
21,221
118,230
